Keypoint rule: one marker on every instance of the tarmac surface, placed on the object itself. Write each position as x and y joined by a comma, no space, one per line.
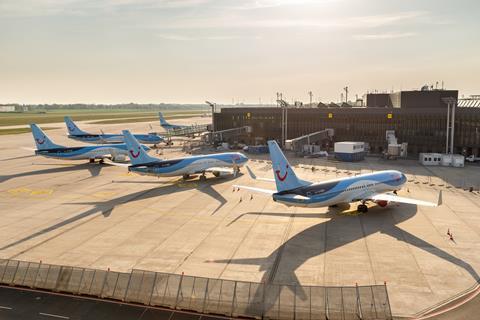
21,304
99,216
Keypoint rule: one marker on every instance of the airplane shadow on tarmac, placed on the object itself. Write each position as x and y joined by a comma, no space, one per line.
106,207
300,246
93,168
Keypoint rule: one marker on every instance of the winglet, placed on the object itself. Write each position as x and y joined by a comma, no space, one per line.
250,173
440,200
254,176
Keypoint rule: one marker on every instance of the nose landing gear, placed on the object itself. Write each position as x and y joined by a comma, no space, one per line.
362,208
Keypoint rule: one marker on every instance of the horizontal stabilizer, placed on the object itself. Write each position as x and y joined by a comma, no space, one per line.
257,190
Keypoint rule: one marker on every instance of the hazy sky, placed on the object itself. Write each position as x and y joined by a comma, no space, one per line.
186,51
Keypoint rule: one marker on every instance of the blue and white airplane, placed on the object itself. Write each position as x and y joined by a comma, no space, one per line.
168,126
76,134
219,164
380,187
46,148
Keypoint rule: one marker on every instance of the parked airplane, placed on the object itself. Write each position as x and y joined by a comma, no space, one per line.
80,135
167,126
219,164
46,148
380,187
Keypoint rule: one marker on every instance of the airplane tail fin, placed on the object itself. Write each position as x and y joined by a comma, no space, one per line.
72,127
136,153
41,139
285,177
163,122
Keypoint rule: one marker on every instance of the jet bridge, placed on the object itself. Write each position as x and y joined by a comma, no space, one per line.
224,135
187,131
300,144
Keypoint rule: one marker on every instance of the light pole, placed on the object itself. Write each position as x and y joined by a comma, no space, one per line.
213,106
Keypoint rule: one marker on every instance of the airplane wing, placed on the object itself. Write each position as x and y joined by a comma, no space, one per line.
394,198
220,169
254,177
257,190
116,164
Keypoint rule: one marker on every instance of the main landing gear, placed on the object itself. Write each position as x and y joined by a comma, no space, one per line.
203,177
93,161
185,176
362,208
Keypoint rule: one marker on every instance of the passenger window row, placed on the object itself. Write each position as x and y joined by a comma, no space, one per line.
364,186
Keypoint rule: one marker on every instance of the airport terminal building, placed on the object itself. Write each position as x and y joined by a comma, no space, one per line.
419,118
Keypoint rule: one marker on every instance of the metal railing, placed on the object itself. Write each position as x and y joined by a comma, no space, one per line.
189,130
205,295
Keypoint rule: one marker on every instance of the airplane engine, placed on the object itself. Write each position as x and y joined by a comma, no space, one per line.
382,203
220,174
118,158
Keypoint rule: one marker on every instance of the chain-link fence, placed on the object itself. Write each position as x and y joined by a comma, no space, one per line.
205,295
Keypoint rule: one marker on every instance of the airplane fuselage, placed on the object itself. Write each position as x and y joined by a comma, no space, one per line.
189,165
344,190
83,153
115,138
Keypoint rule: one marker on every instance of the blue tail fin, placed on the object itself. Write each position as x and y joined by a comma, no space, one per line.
163,122
136,153
41,139
72,127
285,177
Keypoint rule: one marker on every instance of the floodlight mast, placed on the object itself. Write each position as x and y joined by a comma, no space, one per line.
213,106
284,108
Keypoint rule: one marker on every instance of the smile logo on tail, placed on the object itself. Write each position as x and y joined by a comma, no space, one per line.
40,141
135,155
71,128
277,172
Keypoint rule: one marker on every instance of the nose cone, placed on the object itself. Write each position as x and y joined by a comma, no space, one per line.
404,178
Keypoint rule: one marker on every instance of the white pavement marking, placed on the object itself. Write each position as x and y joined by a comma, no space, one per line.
53,315
6,308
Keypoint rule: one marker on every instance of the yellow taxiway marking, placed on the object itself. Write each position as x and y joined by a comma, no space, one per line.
30,192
